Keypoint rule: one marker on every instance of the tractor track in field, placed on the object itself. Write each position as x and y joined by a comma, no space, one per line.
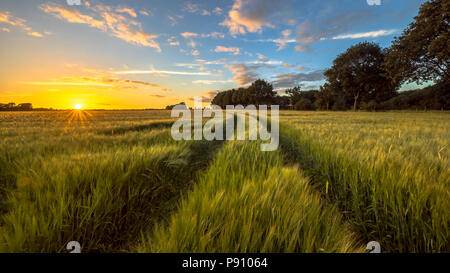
362,195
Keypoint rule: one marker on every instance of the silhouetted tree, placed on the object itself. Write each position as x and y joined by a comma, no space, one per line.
170,107
360,72
422,52
294,94
325,97
304,104
25,107
261,92
436,97
13,107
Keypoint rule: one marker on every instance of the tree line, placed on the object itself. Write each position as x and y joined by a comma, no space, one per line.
21,107
368,77
13,107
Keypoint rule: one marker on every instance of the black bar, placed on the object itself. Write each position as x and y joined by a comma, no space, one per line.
228,262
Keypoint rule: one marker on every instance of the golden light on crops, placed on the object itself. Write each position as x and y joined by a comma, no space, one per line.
78,106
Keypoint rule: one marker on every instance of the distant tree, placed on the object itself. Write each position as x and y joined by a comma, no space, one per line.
360,72
218,99
294,94
25,107
238,96
325,97
304,104
170,107
436,97
261,92
369,106
340,103
283,102
422,52
227,98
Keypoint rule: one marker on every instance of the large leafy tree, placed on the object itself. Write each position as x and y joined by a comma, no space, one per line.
261,92
422,52
360,73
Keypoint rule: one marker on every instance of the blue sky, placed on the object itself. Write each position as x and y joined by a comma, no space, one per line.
143,54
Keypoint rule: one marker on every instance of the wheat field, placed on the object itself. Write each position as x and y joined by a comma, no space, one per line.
116,181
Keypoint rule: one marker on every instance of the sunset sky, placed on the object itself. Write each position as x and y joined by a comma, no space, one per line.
148,54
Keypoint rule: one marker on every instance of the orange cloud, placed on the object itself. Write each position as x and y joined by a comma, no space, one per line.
217,11
119,26
287,65
189,34
101,82
6,17
243,74
130,11
234,50
249,15
146,13
283,41
73,16
192,44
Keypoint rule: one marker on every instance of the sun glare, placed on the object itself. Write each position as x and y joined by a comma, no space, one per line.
78,106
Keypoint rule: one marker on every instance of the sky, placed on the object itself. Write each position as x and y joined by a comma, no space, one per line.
148,54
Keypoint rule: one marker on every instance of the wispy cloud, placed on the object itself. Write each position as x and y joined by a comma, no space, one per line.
101,82
292,79
168,72
97,84
281,42
173,20
35,34
208,82
215,34
301,67
205,12
130,11
264,60
192,44
309,32
200,62
370,34
108,21
172,41
73,16
217,11
233,50
189,65
189,34
146,13
7,18
195,8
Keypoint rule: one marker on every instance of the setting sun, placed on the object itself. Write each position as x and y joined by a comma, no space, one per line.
78,106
